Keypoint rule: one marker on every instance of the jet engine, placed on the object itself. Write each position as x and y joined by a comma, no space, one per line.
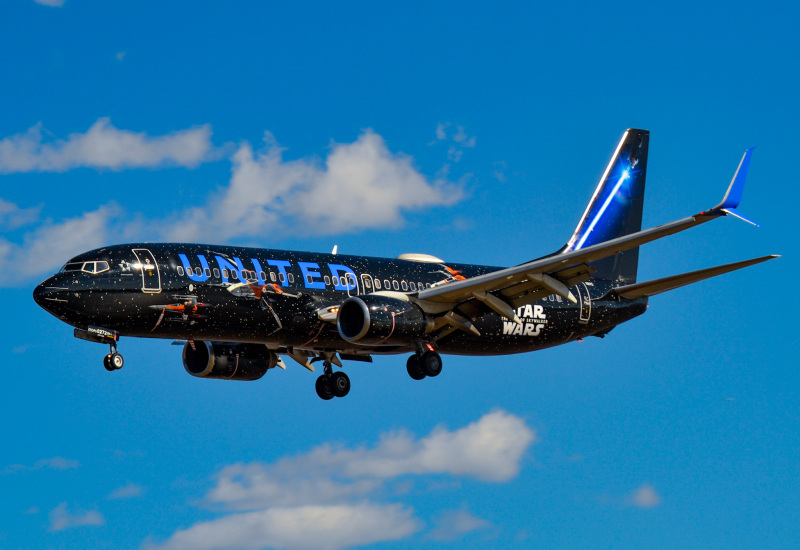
380,320
227,361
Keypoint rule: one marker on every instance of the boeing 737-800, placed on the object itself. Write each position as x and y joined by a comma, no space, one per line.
239,311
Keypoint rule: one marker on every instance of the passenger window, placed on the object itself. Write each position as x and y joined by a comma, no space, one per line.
395,285
335,281
387,284
309,280
327,280
180,270
225,274
427,285
291,279
263,276
404,285
367,283
413,285
272,276
420,286
198,271
351,280
282,277
234,275
216,273
208,272
377,284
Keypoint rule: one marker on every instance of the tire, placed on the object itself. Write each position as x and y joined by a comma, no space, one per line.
431,363
324,390
414,367
116,361
340,384
107,363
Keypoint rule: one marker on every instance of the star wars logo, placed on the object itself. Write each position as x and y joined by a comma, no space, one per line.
533,321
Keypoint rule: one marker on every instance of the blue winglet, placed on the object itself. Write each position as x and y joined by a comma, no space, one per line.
735,190
734,194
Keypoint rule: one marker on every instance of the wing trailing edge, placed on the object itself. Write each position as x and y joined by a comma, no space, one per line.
657,286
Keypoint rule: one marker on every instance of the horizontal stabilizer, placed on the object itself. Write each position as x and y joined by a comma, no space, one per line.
651,288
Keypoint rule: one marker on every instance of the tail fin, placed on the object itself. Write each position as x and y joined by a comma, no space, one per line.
616,208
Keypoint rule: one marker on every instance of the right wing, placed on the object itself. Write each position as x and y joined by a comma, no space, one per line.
507,289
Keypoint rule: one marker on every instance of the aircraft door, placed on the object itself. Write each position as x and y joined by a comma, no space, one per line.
585,302
151,277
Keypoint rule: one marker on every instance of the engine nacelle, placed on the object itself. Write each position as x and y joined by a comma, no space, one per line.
380,320
227,361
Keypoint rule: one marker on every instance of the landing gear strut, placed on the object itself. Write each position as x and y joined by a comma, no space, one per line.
113,361
424,363
332,384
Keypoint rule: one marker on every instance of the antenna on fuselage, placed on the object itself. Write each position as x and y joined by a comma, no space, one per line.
335,249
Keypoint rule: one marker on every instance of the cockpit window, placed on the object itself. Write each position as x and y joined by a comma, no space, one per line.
86,267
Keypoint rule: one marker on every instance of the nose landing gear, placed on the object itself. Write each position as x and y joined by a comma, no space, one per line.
332,384
113,361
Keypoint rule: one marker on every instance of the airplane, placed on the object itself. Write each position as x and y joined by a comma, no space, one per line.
238,311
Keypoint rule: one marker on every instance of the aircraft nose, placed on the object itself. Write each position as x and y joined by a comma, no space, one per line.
39,294
49,297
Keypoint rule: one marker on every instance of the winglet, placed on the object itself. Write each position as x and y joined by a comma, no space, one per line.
734,194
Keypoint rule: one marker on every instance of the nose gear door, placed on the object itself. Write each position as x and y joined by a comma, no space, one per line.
151,277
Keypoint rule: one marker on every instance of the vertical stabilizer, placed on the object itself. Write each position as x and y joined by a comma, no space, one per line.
615,209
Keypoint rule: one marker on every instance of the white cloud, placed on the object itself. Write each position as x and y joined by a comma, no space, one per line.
12,216
360,185
454,524
61,518
644,497
325,498
104,146
306,527
51,3
460,141
489,449
130,490
55,463
51,244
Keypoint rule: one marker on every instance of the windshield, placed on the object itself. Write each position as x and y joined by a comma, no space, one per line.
86,267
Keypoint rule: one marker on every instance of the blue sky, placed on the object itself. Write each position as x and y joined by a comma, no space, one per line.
472,132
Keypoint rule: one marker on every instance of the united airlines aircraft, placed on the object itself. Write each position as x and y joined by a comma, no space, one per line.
240,311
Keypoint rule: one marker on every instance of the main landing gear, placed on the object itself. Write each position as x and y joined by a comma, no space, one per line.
332,384
113,361
420,365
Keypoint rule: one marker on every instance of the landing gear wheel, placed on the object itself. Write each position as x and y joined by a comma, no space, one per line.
340,384
414,367
107,363
116,361
323,387
431,363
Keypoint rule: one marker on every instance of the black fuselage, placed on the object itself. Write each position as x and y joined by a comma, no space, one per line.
278,298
